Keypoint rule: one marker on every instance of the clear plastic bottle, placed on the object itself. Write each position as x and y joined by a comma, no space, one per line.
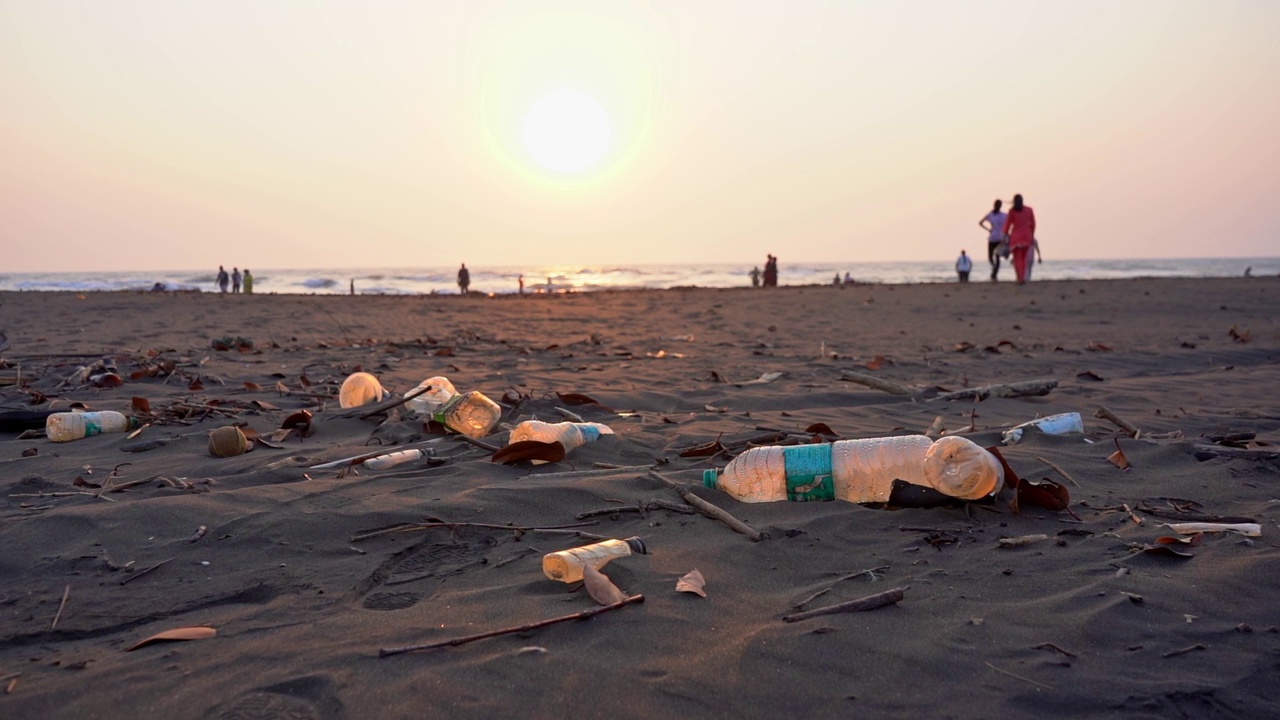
68,426
860,471
1060,424
471,414
438,392
400,457
567,565
569,434
358,389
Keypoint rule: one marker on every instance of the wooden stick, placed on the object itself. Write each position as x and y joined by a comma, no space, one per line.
385,406
1185,650
870,602
1019,677
876,383
1120,422
411,527
708,509
1204,452
387,652
1051,646
65,594
1026,388
478,443
643,507
142,572
869,571
1061,472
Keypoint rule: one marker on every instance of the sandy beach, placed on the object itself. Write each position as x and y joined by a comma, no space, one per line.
101,548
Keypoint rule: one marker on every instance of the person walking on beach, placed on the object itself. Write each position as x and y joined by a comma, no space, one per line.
521,278
248,282
223,278
1020,229
755,277
235,280
993,223
963,266
770,271
464,278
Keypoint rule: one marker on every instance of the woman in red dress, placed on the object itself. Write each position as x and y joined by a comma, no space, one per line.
1020,229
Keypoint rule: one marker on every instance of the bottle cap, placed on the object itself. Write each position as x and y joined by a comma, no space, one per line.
637,545
709,478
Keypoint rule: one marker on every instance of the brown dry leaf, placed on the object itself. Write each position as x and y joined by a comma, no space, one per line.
306,381
934,431
964,346
1002,343
196,385
142,405
713,409
1117,458
704,450
301,421
252,386
281,388
763,379
81,482
1165,549
1046,494
1097,346
262,405
183,633
576,399
139,374
713,375
874,363
821,429
279,435
1190,541
529,450
31,452
1089,375
444,352
106,380
692,582
1240,336
600,587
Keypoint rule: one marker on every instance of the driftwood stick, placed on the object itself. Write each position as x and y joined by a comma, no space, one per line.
1204,452
870,602
387,652
708,509
478,443
58,615
869,571
876,383
142,572
1028,388
1192,516
643,507
1060,471
414,527
385,406
1120,422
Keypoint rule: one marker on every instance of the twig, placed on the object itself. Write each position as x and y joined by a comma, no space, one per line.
1010,390
588,473
479,443
1120,422
385,406
708,509
869,571
1019,677
643,507
387,652
870,602
876,383
1051,646
517,556
65,594
1136,519
142,572
200,531
413,527
1185,650
1060,471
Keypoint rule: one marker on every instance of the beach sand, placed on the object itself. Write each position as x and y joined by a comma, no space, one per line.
1081,624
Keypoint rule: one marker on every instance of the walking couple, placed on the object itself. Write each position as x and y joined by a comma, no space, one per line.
1011,233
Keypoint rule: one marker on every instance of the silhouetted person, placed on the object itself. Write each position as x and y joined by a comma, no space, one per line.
464,278
248,282
963,266
223,278
1020,229
235,280
993,223
755,277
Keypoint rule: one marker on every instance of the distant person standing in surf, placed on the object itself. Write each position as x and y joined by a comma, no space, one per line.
993,223
1020,229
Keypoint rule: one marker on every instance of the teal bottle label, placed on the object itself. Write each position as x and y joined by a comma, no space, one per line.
443,412
590,433
809,473
91,428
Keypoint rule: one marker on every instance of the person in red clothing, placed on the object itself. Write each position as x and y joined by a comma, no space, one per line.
1020,229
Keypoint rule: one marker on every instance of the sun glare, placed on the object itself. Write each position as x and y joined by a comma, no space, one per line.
566,131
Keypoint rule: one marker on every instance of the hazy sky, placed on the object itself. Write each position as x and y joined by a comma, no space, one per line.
173,134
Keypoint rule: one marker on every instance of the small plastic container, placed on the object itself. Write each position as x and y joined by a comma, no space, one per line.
382,462
358,389
68,426
860,471
471,414
1060,424
567,565
438,392
568,434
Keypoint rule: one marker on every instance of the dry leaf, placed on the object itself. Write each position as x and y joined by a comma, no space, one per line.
600,587
704,450
262,405
765,378
1117,458
1240,336
529,450
1046,494
196,385
1089,375
964,346
874,363
692,582
281,388
184,633
31,452
713,409
301,421
252,386
821,429
934,431
1167,549
576,399
713,375
142,405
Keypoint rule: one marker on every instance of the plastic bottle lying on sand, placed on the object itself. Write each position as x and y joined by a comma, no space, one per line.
68,426
860,471
382,462
358,389
567,565
1060,424
471,414
438,392
569,434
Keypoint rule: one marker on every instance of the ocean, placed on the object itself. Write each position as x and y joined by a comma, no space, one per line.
585,278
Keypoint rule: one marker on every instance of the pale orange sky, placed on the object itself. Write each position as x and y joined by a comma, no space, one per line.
175,134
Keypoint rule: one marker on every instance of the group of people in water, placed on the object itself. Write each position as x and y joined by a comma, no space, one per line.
1012,233
235,280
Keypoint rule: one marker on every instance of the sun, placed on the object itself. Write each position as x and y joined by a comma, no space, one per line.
566,131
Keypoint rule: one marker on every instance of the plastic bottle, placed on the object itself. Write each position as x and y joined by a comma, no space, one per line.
471,414
569,434
1060,424
860,471
358,389
566,565
383,462
438,392
68,426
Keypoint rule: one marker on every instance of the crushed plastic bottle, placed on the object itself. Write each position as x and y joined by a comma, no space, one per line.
68,426
567,565
358,389
568,434
438,391
382,462
471,414
1060,424
860,471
